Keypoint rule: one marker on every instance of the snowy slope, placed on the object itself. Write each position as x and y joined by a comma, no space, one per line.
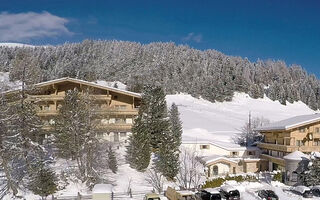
4,81
221,120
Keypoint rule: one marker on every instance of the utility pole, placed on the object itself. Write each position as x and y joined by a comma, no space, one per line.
249,129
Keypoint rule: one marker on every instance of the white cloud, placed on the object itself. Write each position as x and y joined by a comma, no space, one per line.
30,25
193,37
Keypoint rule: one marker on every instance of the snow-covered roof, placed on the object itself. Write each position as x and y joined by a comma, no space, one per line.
212,158
291,122
212,190
228,188
224,145
296,155
301,189
102,86
102,188
185,192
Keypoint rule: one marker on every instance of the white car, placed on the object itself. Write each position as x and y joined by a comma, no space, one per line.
303,191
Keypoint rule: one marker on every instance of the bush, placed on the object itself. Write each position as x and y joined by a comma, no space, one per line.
217,182
277,177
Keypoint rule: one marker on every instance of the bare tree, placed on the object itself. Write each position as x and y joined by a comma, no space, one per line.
249,135
191,171
155,179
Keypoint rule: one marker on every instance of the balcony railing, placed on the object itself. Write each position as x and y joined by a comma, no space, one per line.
287,148
105,111
115,127
278,147
61,97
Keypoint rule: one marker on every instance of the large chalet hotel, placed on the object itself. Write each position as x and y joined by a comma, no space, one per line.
115,108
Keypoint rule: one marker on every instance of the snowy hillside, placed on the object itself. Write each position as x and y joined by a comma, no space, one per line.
4,81
220,121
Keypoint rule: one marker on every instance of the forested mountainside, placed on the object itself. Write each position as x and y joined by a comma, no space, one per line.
178,68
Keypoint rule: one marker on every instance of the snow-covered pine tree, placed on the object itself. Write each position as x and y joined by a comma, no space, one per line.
157,114
43,182
139,150
175,125
75,134
167,156
112,160
311,175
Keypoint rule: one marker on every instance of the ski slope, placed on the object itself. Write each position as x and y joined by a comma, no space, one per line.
219,121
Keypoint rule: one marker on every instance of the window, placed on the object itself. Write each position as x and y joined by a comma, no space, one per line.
120,107
316,143
302,130
317,130
204,147
120,121
251,153
123,134
215,170
299,143
234,153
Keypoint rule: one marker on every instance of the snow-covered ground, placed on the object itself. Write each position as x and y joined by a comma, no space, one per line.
219,121
5,81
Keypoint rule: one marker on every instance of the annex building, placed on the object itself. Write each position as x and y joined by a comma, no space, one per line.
300,133
115,108
222,158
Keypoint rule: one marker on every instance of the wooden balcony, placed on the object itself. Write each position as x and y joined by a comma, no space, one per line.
278,147
111,111
61,97
45,113
273,159
116,111
285,148
101,97
45,97
115,127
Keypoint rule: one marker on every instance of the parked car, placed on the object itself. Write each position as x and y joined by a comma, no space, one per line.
151,196
229,193
303,191
208,194
316,190
267,195
173,194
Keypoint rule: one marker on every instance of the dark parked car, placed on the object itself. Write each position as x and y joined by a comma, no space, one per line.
303,191
208,194
267,195
316,190
229,193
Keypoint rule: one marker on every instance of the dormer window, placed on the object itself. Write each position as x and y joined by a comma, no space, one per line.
302,130
204,146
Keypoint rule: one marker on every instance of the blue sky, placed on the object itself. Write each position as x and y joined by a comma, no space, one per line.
288,30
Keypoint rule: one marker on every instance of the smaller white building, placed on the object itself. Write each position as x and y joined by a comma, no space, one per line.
222,158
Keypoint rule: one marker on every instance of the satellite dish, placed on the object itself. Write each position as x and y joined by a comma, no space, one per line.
310,136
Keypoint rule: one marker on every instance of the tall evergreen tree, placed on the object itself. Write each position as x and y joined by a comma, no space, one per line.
311,175
167,156
43,182
112,160
139,150
75,131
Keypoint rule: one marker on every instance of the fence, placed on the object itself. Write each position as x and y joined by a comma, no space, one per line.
114,196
